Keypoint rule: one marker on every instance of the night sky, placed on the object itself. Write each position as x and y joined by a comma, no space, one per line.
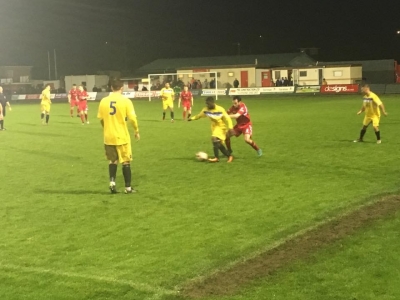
92,35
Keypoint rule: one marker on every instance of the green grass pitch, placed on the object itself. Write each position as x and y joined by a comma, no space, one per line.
63,236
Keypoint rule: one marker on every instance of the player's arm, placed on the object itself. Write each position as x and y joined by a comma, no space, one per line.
131,115
227,119
380,104
383,109
361,110
9,105
162,93
198,116
179,101
69,97
191,99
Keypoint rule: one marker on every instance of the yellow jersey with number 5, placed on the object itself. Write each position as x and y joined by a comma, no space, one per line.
115,110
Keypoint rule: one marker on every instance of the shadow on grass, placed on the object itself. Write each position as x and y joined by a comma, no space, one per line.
72,192
41,134
352,141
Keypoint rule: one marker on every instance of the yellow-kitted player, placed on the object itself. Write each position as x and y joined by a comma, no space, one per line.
221,123
45,105
372,106
113,112
167,96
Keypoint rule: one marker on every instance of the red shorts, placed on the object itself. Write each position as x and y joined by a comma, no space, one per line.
73,103
187,105
243,129
83,106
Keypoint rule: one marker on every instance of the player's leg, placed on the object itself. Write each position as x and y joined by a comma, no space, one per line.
71,108
47,117
248,133
366,123
171,108
125,157
2,119
43,112
165,107
86,113
375,124
189,112
112,156
184,112
228,138
218,138
82,114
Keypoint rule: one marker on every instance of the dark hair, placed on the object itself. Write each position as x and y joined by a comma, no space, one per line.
210,99
238,98
116,84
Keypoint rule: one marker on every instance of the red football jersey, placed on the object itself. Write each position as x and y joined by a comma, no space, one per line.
74,94
186,96
82,95
244,118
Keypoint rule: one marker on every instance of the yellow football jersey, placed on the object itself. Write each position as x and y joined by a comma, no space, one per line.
167,94
371,105
115,110
218,117
46,97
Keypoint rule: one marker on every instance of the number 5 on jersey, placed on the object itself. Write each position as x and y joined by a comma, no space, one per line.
113,108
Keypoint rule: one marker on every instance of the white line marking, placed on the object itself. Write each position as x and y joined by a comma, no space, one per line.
157,291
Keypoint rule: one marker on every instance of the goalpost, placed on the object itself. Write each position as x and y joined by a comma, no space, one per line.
190,75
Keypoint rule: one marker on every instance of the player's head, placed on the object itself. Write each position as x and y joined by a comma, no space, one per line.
185,88
236,101
74,86
47,87
210,102
117,85
167,85
365,89
1,90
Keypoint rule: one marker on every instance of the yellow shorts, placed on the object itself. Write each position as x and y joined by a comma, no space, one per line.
219,132
45,107
374,120
167,103
122,153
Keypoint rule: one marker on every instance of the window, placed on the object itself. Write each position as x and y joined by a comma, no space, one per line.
230,74
24,79
277,74
337,73
180,75
303,73
213,74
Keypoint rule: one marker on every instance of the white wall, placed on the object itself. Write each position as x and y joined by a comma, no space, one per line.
343,75
91,81
224,80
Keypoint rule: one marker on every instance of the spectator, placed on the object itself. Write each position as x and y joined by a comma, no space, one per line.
205,84
286,82
212,83
324,82
236,83
199,84
144,88
94,89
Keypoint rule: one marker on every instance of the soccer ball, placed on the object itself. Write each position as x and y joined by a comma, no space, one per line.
201,156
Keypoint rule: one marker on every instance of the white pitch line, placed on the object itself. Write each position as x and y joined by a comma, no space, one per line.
157,291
